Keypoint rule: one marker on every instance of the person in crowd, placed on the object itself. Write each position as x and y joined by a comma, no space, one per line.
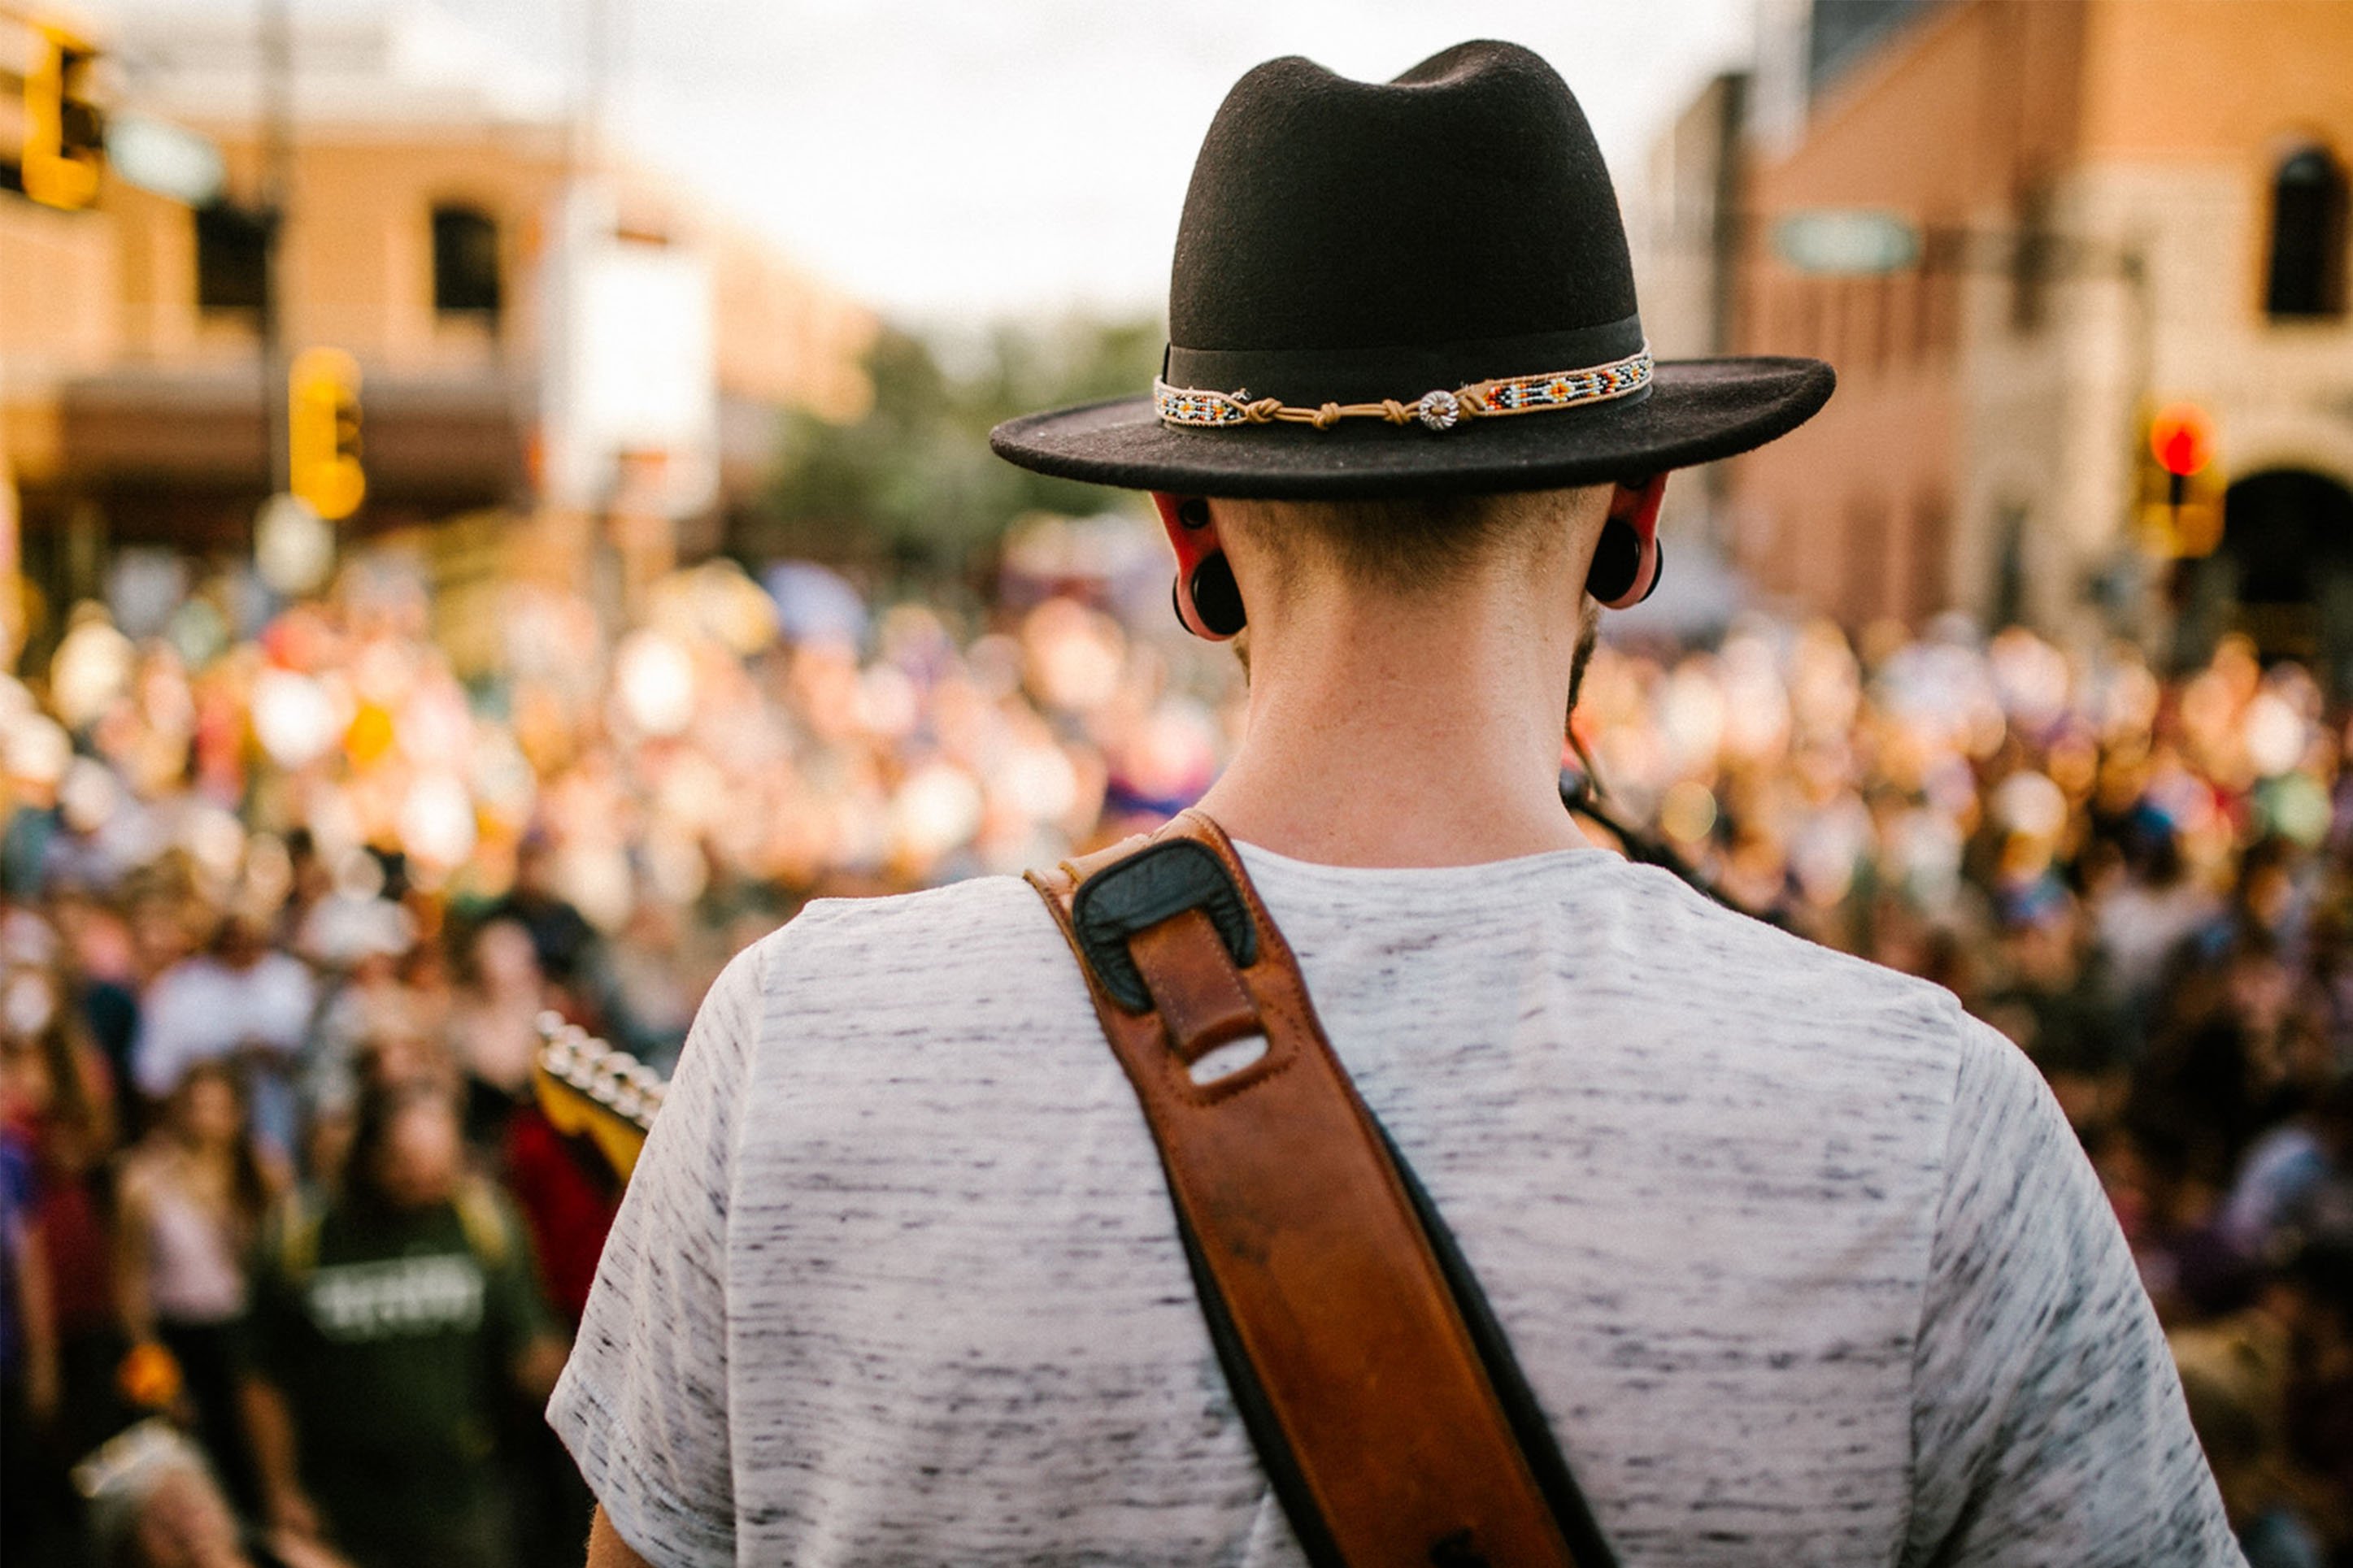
191,1202
98,964
366,1003
154,1501
566,1200
561,936
2269,1387
60,1100
57,1114
494,1022
393,1324
243,1002
2143,920
31,1378
2296,1182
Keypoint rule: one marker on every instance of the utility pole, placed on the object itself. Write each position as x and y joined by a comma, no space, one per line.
601,43
276,80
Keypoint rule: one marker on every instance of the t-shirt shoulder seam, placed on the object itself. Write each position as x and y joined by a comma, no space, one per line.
820,913
1892,984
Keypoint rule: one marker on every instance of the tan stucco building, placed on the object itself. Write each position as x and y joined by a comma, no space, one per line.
422,193
2121,203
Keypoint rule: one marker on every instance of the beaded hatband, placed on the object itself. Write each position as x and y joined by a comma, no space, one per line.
1436,410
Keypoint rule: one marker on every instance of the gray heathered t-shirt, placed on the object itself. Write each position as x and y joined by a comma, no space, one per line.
1803,1263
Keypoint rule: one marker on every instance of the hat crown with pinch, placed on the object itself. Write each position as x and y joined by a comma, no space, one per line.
1416,287
1344,240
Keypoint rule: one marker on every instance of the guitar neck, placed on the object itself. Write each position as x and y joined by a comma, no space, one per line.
589,1089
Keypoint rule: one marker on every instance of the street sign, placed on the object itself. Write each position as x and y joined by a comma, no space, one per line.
1847,242
630,395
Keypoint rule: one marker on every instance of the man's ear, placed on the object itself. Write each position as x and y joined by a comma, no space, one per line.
1192,532
1193,535
1625,565
1636,501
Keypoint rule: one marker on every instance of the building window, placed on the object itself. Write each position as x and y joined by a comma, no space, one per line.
2031,262
1862,569
2009,606
2307,261
465,262
1932,544
232,258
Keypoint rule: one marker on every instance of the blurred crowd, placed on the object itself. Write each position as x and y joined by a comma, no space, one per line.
291,1252
2146,883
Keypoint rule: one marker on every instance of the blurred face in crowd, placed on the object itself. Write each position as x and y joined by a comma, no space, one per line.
403,1057
206,1113
2269,891
534,868
25,1088
159,935
505,959
241,944
2043,952
2261,991
418,1166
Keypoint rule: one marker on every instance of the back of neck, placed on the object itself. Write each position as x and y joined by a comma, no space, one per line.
1383,733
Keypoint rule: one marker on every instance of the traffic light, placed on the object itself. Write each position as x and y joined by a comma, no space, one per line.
2178,488
64,133
322,429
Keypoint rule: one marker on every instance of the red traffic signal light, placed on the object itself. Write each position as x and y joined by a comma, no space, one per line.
2182,439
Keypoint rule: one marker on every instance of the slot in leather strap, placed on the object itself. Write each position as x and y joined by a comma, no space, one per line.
1336,1318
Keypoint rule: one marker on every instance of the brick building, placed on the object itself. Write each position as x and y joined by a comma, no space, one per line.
2119,205
423,184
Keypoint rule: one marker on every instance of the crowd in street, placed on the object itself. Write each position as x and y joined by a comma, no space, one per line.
291,1253
284,912
2147,885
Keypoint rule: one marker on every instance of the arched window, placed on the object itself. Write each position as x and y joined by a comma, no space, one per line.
465,261
2307,261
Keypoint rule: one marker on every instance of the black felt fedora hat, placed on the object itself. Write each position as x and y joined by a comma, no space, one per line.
1405,288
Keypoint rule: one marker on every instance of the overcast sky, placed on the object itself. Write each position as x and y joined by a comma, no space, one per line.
950,160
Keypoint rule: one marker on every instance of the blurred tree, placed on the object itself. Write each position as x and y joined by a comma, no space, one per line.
914,481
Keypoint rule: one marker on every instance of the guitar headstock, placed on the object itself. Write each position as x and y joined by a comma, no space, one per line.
590,1087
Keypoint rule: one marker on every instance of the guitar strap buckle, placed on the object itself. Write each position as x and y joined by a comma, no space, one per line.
1131,896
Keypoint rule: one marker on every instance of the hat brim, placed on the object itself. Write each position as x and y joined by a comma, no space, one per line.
1696,411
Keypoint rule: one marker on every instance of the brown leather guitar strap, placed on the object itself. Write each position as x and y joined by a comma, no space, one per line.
1378,1387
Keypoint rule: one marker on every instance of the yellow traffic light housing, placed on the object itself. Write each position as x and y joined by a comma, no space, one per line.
322,428
2177,483
64,133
